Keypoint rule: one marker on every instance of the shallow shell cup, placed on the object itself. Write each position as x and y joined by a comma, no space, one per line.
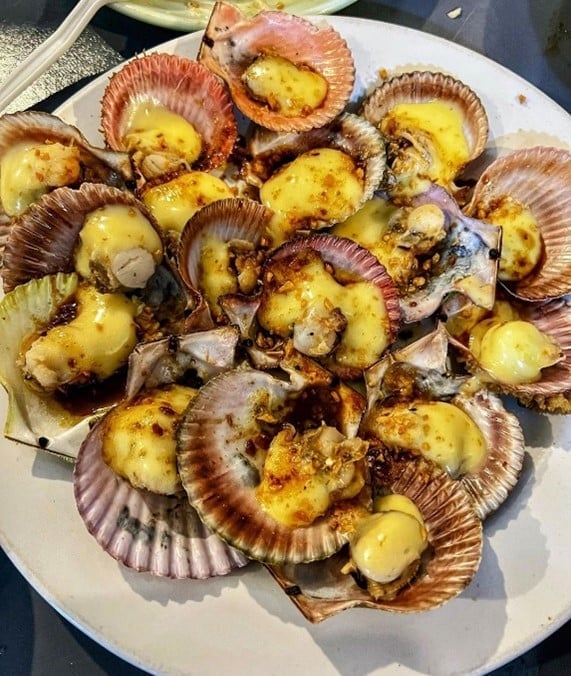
232,42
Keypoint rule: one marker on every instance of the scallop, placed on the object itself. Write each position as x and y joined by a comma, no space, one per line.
539,328
284,72
322,589
232,452
332,298
311,180
157,532
221,250
35,417
528,193
103,233
434,123
416,403
169,112
40,152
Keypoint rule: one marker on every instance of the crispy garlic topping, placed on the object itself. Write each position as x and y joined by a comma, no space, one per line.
118,247
154,129
521,237
286,88
439,431
438,147
319,187
173,202
305,473
139,441
28,171
302,297
388,541
91,346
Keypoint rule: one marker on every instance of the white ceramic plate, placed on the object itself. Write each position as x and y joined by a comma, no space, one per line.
242,624
191,15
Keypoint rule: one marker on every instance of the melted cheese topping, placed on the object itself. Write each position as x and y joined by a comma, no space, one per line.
139,440
172,203
95,344
399,503
28,171
286,88
152,128
387,543
514,352
435,128
311,291
305,474
319,187
118,239
215,276
438,430
521,238
371,227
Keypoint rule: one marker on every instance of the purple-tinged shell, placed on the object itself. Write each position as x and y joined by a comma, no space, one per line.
43,240
468,262
540,179
220,462
153,533
321,590
428,377
232,42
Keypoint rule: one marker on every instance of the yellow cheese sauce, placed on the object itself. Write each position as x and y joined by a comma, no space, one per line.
28,171
319,187
286,88
215,275
513,352
386,543
120,239
139,441
436,128
371,227
152,128
308,289
438,430
521,237
93,345
305,474
172,203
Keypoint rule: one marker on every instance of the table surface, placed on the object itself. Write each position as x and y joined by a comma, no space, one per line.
530,37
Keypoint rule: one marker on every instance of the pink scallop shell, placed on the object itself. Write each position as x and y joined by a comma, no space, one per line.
183,86
231,42
320,590
147,532
539,178
426,86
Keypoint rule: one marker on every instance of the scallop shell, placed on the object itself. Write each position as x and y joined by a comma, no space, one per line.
145,531
492,483
183,86
468,262
349,134
43,240
347,259
231,42
424,87
35,127
552,393
321,590
220,466
539,178
36,418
